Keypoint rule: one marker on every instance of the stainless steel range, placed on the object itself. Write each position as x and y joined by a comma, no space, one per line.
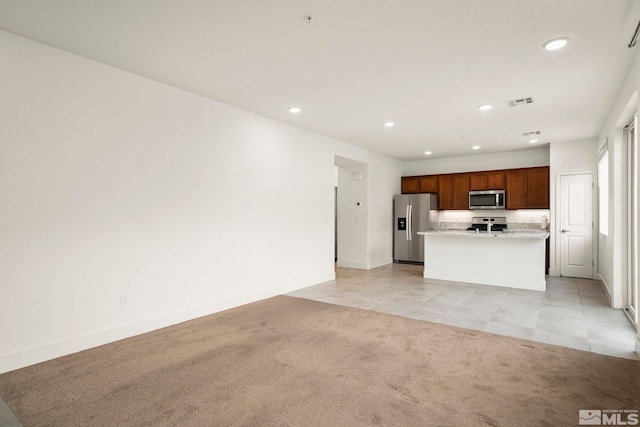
482,223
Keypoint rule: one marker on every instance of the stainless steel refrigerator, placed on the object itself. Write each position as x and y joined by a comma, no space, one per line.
411,214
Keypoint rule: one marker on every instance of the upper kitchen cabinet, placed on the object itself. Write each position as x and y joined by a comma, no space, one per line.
419,184
478,181
516,188
445,192
461,191
490,180
538,186
429,184
528,188
495,180
410,184
453,191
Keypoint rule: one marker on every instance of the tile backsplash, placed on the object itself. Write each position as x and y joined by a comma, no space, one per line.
526,219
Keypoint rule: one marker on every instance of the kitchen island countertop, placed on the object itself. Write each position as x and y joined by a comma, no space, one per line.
519,234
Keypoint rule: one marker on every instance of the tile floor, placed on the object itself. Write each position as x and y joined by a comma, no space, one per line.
572,312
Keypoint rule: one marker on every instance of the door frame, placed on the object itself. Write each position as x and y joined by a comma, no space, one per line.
628,172
555,226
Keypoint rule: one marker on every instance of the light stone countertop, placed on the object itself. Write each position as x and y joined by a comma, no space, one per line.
520,234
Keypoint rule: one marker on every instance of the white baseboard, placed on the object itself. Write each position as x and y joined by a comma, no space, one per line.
554,272
638,346
606,290
349,264
30,356
380,263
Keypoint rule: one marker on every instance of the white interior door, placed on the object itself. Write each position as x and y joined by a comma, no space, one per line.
576,225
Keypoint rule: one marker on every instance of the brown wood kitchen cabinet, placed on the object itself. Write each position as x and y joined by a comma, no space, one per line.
528,188
453,191
495,180
489,180
410,185
461,191
445,192
429,184
478,181
419,184
516,188
538,188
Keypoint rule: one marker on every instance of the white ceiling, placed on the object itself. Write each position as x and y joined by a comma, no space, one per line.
425,64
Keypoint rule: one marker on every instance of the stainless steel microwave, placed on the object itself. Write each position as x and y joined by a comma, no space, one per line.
489,199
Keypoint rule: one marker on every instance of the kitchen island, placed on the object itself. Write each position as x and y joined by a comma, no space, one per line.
514,259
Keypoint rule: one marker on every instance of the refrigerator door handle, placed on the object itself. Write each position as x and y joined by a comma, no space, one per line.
410,222
406,229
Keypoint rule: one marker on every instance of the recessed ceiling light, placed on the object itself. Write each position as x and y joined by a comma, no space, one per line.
389,124
557,43
533,141
295,110
427,153
485,107
475,147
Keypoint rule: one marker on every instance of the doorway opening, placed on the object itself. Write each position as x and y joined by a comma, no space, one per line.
351,213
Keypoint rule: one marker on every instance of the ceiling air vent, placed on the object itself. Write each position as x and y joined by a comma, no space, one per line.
535,132
519,101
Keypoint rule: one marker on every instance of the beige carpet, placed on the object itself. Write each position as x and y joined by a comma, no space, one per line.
293,362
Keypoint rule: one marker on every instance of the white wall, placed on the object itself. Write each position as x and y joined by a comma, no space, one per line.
352,216
384,183
611,248
114,184
509,160
566,158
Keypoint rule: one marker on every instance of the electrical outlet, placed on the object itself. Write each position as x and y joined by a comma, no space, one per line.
124,299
